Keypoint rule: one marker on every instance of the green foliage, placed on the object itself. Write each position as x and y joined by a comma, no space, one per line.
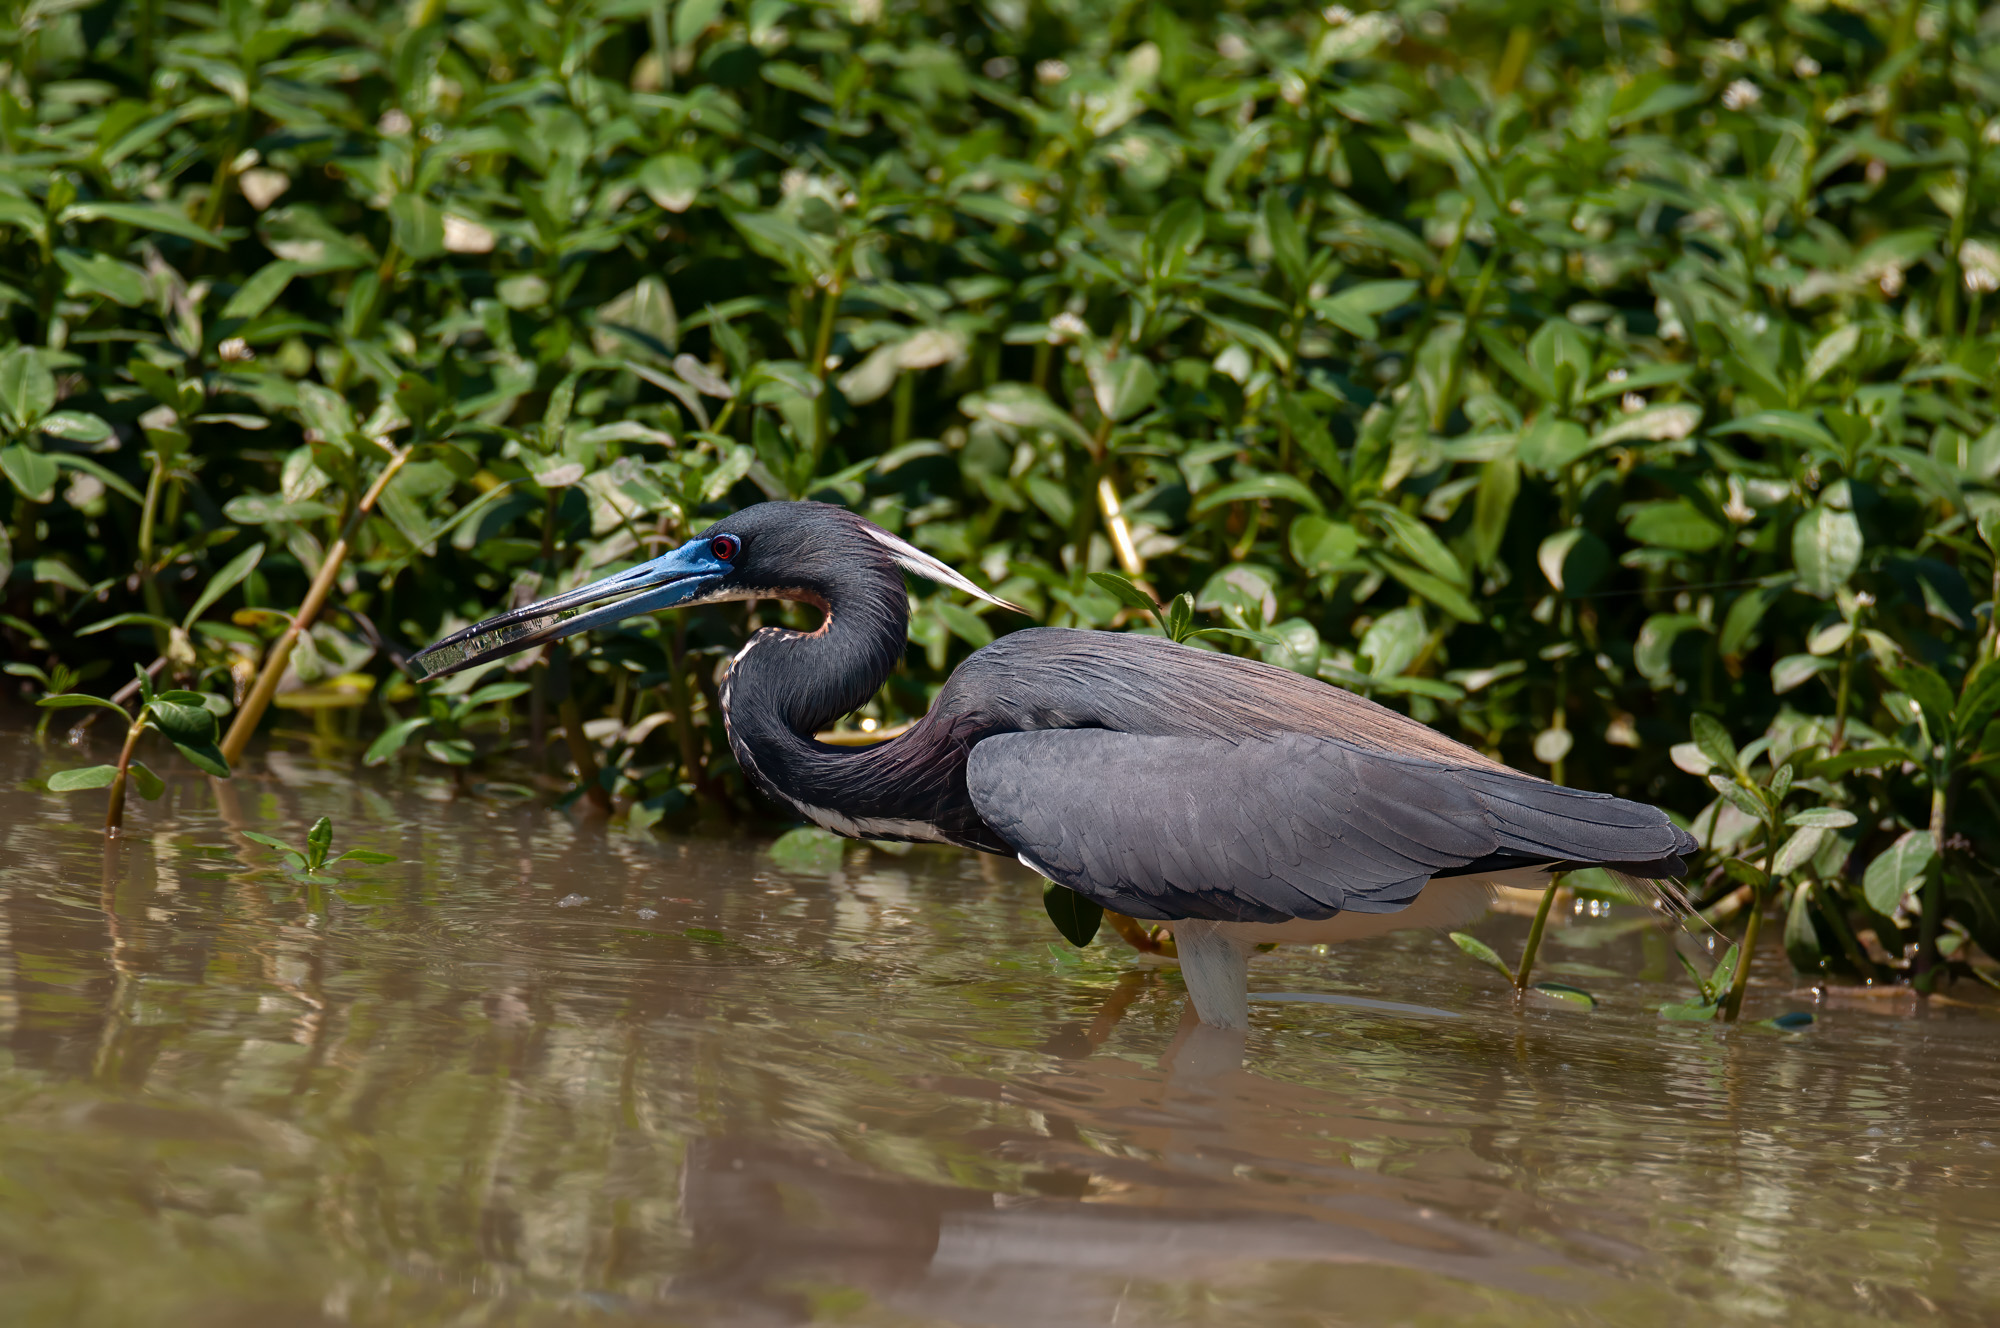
310,863
1563,379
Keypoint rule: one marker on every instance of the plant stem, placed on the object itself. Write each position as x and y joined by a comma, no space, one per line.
1534,945
148,587
579,752
114,807
1933,899
266,686
1741,978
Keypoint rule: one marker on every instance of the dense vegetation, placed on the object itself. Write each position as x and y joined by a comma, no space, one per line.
1585,380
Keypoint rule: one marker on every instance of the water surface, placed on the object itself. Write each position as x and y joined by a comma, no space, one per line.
543,1072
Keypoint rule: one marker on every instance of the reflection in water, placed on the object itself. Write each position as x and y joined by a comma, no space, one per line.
542,1072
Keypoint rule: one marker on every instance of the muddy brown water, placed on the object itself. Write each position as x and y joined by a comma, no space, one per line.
542,1072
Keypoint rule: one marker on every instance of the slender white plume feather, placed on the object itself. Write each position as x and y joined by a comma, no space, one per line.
918,563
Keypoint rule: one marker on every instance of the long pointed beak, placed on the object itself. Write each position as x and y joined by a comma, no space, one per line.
671,579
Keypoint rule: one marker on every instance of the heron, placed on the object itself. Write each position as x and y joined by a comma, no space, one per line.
1234,802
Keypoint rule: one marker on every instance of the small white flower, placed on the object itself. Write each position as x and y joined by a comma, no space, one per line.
1891,282
1232,47
1981,263
1632,401
1876,171
1990,135
1805,67
1616,376
1741,95
234,350
393,122
1000,66
1335,15
1068,325
466,237
1051,71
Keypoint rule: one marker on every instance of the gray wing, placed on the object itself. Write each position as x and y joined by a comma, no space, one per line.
1283,827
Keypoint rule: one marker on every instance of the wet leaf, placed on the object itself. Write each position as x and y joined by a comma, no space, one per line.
1483,952
88,777
1075,916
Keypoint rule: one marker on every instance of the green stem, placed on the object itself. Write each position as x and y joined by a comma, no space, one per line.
1534,945
1933,896
149,587
114,808
1733,1006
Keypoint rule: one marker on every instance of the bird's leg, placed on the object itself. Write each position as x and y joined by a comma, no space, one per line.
1217,971
1135,934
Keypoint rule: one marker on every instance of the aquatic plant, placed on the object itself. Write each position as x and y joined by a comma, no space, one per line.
1557,377
186,719
309,864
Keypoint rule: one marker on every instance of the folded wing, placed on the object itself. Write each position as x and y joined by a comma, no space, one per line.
1287,826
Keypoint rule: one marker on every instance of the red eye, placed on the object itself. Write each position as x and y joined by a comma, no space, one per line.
725,547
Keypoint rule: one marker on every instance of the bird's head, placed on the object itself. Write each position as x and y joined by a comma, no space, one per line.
803,551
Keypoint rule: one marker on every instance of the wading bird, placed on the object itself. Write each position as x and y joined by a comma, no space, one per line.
1237,802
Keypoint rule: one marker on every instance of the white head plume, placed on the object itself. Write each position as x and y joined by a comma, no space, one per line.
918,563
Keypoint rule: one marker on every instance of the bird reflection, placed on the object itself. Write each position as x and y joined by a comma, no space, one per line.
778,1227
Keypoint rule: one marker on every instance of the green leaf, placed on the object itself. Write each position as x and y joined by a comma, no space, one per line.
182,722
1528,376
366,856
1797,851
1125,386
71,700
27,388
1743,799
1674,525
1260,638
102,275
1897,870
1787,425
1548,445
124,620
1861,758
269,841
1125,592
417,225
1826,550
75,426
145,217
256,295
1714,741
1441,593
1288,245
1422,546
1320,545
148,784
206,757
1929,691
1744,616
1483,952
1802,945
318,840
223,582
1286,488
1574,561
1565,993
31,473
392,740
1076,917
88,777
1353,309
963,623
1821,818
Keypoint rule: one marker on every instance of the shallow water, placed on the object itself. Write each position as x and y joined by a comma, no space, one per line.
540,1072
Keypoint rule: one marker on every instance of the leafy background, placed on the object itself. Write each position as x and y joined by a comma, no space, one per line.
1562,374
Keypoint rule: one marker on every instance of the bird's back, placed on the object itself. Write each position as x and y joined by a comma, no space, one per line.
1055,677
